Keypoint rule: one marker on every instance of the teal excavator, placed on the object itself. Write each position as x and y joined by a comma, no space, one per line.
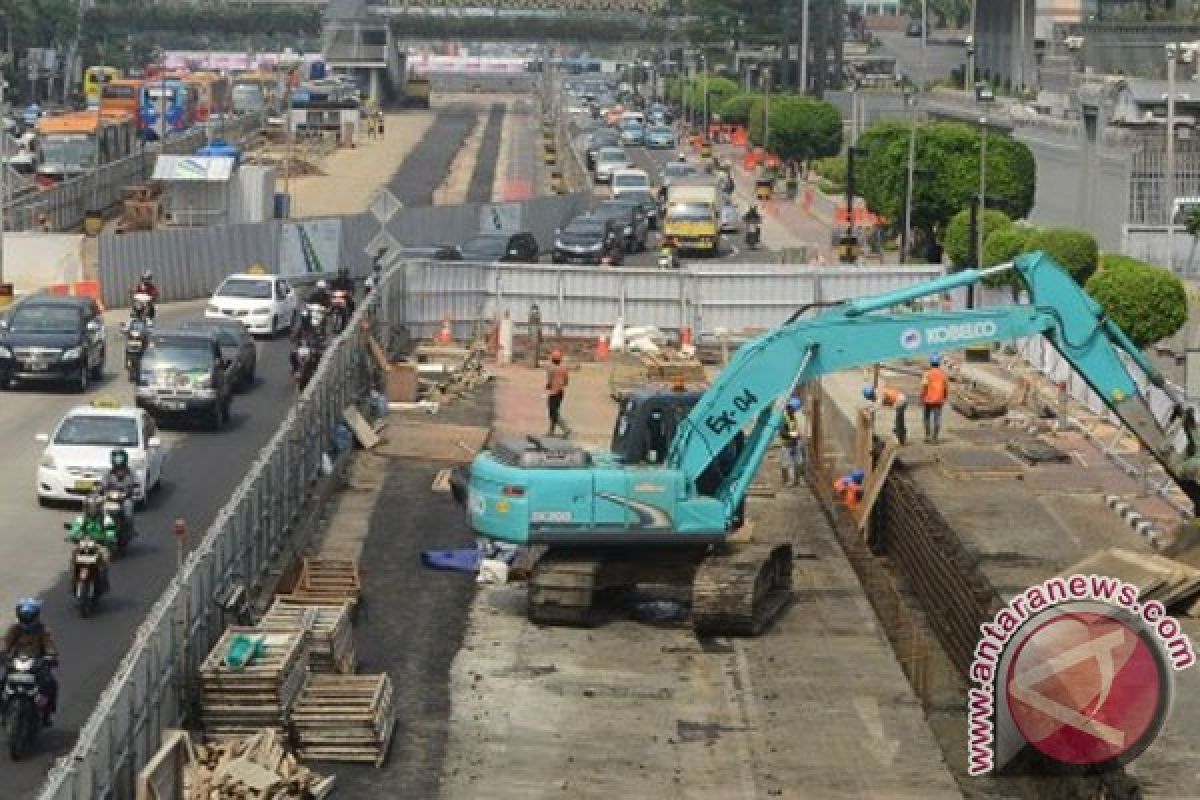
659,508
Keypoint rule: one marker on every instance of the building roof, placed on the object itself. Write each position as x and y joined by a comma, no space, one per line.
1148,92
210,169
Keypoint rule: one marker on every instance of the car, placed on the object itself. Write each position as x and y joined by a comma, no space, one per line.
629,180
237,345
643,199
78,452
492,247
589,240
632,134
51,338
631,219
731,217
597,141
913,29
266,304
676,169
660,137
185,375
608,161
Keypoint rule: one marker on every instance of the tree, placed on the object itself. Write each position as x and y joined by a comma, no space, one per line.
1147,303
950,152
957,239
735,109
718,89
1073,248
801,128
1002,246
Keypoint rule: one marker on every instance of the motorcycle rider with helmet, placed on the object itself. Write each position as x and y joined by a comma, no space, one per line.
146,286
121,478
321,295
753,222
344,283
30,637
100,528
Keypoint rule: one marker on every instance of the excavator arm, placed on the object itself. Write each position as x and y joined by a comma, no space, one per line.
750,393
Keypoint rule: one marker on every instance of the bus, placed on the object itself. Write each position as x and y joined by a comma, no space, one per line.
94,79
212,94
77,142
124,95
168,105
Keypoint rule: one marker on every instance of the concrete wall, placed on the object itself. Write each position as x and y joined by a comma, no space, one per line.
36,260
1149,243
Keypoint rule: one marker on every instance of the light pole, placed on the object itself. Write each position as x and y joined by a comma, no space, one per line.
972,39
1169,210
804,47
911,98
983,122
3,170
766,109
704,79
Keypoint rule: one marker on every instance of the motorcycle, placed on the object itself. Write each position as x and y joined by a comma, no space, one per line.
304,364
23,705
137,330
143,303
340,309
317,314
667,261
114,506
753,234
87,578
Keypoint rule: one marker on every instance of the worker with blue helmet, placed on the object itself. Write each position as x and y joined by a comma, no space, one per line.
29,637
792,433
849,487
891,398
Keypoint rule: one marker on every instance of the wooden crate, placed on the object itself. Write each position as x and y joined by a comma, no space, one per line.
329,627
344,718
261,694
327,581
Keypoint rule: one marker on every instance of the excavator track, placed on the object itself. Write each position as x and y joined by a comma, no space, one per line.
736,591
740,591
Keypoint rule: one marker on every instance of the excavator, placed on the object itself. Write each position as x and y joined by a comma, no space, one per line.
660,507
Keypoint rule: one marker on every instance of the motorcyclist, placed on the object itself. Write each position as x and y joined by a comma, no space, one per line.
146,286
94,524
30,637
321,295
752,216
344,283
121,478
667,254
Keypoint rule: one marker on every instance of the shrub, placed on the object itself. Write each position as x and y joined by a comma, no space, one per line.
1147,302
956,240
1073,248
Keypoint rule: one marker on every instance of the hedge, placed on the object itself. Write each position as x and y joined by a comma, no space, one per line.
955,241
1147,302
1073,248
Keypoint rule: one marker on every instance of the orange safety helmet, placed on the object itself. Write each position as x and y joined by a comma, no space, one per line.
556,356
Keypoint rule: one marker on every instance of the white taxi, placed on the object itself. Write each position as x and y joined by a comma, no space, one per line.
78,453
265,304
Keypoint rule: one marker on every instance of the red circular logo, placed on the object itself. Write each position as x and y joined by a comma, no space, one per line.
1086,688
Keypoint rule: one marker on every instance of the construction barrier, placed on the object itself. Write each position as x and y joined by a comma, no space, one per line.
862,217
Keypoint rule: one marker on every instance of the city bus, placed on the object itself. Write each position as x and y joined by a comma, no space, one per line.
168,105
77,142
94,79
123,95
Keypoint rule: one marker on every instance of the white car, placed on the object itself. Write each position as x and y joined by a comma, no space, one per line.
629,180
264,304
78,453
608,161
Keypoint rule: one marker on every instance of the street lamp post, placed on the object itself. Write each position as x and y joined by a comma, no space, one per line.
972,41
804,47
766,108
1172,55
983,137
909,97
704,88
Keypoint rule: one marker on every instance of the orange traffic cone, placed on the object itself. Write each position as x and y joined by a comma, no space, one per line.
444,336
685,335
602,348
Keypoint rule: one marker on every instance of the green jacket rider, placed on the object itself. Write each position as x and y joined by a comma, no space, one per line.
94,524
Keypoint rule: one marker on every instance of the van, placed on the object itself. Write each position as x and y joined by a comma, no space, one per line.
692,215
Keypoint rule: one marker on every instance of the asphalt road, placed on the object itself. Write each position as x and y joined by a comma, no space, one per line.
940,57
483,177
428,163
199,475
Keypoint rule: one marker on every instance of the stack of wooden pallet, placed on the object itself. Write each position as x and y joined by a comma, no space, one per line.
329,627
344,718
258,695
666,368
326,581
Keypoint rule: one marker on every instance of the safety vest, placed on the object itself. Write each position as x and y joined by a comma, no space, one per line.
933,387
892,397
849,491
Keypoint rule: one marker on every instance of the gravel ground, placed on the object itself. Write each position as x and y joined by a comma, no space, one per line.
414,620
429,162
484,176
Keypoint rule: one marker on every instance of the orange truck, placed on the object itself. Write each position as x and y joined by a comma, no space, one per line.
213,95
77,142
123,95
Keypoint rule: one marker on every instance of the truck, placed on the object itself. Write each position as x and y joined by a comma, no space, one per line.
692,215
417,91
662,505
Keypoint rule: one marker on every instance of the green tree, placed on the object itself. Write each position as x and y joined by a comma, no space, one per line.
956,242
735,109
1073,248
801,128
718,89
950,152
1147,302
1002,246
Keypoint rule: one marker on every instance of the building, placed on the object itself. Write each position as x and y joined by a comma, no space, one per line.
1010,35
888,8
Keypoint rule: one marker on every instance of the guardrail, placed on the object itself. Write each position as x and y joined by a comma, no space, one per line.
65,205
154,685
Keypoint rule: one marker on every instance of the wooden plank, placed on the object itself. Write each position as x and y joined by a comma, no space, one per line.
874,485
381,359
432,441
363,432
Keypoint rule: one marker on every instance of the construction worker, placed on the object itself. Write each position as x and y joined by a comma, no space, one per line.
933,396
891,398
849,488
791,433
556,387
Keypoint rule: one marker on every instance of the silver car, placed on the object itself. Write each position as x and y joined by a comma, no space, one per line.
731,218
608,161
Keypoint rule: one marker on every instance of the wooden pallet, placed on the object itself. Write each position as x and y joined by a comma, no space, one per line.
330,631
324,581
345,718
259,695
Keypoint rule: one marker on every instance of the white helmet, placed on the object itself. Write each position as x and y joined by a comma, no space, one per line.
321,284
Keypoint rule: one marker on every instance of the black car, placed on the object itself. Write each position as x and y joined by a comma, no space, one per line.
643,199
589,240
597,141
48,338
630,218
491,247
237,345
185,376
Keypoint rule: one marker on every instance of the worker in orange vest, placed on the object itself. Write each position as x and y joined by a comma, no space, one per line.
556,387
849,488
891,398
934,387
